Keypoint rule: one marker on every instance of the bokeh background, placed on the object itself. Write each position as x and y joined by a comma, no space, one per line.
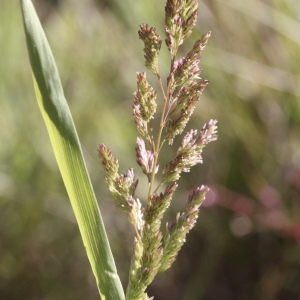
246,242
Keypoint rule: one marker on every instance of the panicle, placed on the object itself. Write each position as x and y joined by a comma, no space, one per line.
153,251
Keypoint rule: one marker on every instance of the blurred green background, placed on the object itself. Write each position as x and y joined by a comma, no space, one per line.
246,242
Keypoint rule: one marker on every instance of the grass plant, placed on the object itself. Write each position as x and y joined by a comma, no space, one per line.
154,250
248,234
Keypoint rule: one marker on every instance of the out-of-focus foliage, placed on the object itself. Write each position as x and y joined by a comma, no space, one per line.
246,243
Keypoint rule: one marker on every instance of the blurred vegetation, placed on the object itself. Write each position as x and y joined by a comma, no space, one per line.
246,243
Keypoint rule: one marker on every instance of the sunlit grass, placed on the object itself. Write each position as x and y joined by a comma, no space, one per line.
252,62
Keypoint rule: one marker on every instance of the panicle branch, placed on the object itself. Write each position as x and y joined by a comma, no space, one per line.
145,97
189,153
145,158
152,44
178,229
122,187
144,105
186,70
180,19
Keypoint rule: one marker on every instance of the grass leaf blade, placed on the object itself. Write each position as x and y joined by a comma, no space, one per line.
66,146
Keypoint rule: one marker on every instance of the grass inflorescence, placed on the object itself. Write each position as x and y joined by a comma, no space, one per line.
155,251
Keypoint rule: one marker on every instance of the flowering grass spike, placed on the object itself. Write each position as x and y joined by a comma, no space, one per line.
154,250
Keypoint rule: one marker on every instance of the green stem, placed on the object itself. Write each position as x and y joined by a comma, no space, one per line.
158,145
164,115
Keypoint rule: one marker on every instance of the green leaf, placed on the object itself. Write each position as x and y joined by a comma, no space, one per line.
67,150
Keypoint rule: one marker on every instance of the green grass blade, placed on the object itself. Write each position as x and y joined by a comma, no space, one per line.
66,146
